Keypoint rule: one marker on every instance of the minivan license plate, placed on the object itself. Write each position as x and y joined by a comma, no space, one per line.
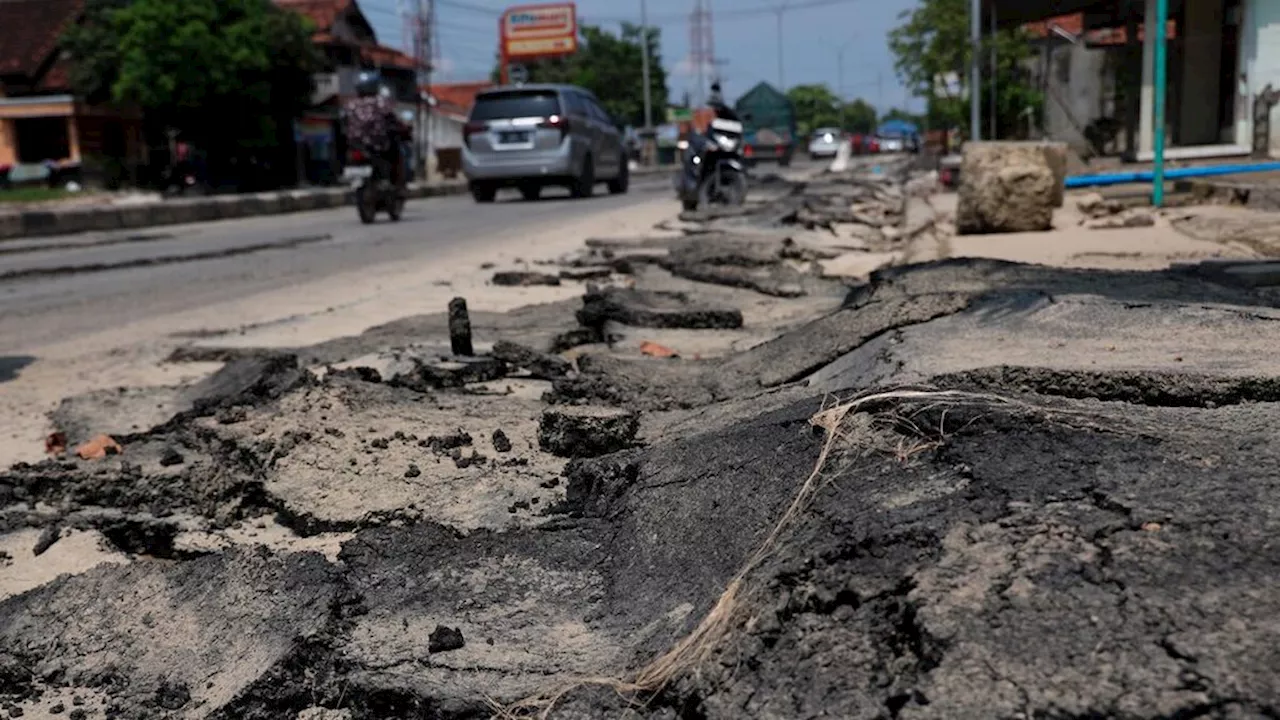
513,137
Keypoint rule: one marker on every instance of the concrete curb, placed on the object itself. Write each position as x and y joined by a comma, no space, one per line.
1258,196
54,221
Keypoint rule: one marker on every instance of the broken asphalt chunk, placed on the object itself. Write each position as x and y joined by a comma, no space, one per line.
460,327
577,431
501,443
543,366
517,278
444,639
654,309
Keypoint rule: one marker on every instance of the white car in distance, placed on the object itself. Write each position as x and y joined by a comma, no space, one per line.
825,142
892,145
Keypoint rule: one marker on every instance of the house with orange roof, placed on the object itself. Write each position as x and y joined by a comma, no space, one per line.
42,123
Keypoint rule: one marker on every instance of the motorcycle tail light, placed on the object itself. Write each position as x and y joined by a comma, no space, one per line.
355,156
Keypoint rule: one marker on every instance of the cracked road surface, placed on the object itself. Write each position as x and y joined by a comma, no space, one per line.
100,310
52,289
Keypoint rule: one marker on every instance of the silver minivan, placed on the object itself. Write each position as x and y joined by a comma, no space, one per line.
532,136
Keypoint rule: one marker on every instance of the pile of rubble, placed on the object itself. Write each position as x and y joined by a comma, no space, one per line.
722,483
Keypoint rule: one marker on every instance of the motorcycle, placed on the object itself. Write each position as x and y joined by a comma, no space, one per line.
376,190
712,171
180,180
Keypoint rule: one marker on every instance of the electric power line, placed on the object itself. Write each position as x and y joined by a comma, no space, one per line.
672,19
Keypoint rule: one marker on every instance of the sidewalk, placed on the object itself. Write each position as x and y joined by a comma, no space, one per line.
54,220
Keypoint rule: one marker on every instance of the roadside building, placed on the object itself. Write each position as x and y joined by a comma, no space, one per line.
349,45
451,105
43,125
1223,66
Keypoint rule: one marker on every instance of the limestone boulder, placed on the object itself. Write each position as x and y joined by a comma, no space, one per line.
1010,187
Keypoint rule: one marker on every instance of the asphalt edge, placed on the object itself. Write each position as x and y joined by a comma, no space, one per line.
65,221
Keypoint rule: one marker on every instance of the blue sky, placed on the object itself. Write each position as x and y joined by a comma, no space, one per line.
813,32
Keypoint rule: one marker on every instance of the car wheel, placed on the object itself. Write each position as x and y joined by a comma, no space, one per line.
483,193
585,184
531,192
619,185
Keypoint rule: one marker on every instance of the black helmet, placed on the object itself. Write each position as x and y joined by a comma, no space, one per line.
368,83
716,98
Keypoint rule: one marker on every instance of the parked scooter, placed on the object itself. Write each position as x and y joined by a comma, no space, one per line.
376,190
712,171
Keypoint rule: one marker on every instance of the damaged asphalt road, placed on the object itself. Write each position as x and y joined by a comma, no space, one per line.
960,489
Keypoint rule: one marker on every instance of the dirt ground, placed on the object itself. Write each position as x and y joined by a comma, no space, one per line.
798,461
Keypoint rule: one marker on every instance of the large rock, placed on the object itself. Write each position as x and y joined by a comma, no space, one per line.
1010,187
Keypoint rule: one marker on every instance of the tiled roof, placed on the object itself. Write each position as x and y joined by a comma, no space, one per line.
57,79
384,57
457,97
29,33
1074,24
321,13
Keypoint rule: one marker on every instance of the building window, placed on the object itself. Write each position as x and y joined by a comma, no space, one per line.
40,139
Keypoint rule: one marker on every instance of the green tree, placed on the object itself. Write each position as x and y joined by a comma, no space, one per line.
932,52
228,74
609,66
815,107
860,116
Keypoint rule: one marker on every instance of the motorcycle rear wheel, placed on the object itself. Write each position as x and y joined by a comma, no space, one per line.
366,204
730,194
395,206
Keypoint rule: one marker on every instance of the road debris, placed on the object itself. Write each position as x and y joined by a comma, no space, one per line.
518,278
460,327
839,502
99,447
653,349
55,443
587,431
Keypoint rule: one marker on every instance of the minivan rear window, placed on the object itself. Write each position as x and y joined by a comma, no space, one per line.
517,104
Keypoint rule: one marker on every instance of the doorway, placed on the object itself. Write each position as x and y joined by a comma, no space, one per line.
1232,21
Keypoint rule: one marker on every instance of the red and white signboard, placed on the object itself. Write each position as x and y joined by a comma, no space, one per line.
539,31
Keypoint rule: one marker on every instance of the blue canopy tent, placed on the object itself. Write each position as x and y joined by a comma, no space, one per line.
897,128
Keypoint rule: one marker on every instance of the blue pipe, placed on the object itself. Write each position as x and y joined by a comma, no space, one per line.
1146,176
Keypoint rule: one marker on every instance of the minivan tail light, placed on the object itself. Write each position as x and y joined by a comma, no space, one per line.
558,122
472,128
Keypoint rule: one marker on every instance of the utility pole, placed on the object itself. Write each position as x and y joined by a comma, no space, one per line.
646,140
424,27
782,82
644,64
975,70
702,46
995,77
840,84
840,91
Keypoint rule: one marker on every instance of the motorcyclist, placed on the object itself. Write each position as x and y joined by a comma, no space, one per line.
373,127
716,101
